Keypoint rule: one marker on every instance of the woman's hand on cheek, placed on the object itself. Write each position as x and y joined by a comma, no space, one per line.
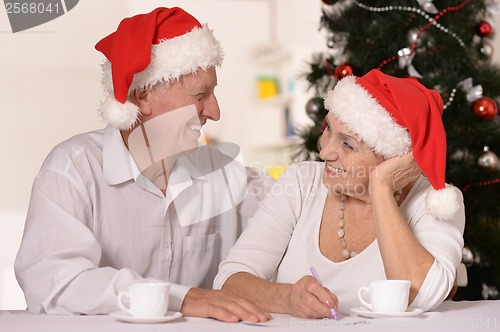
396,172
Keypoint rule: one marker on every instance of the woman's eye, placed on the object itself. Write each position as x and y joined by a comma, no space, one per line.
349,146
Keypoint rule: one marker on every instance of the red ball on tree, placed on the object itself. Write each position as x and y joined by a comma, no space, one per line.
328,2
485,108
342,71
484,29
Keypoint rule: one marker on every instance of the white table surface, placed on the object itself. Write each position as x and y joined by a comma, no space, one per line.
450,316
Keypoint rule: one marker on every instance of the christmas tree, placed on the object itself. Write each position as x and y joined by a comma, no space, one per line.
445,44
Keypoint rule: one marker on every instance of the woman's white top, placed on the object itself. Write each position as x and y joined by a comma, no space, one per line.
281,242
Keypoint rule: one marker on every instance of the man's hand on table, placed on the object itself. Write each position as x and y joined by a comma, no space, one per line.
222,306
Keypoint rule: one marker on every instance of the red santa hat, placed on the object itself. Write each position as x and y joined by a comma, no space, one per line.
394,116
147,49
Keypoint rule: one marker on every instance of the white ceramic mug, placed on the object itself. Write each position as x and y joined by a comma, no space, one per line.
146,299
386,295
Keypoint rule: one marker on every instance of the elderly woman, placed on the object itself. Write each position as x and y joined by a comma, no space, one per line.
366,213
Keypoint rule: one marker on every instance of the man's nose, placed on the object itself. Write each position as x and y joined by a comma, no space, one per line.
211,108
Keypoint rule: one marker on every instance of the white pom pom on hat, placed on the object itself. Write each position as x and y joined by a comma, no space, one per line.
442,203
147,49
394,116
118,115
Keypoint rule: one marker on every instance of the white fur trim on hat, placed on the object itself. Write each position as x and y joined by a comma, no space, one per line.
170,59
364,116
443,203
118,115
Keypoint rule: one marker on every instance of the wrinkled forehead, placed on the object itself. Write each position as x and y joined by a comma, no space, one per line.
196,82
342,127
344,131
200,78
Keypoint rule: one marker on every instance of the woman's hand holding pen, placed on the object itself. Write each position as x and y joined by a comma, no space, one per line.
309,299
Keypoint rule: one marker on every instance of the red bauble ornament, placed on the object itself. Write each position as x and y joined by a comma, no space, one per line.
485,108
342,71
328,2
484,29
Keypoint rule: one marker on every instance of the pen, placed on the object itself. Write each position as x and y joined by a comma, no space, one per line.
316,276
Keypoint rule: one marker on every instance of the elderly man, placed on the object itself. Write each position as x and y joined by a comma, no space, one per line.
141,199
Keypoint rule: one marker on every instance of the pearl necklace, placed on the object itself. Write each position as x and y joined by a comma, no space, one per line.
341,233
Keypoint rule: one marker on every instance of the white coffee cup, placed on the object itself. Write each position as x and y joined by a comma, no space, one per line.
146,299
389,296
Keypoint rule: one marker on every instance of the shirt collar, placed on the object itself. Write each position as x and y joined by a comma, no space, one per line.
116,158
119,166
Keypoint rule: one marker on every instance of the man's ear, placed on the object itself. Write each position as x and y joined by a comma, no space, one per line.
141,97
